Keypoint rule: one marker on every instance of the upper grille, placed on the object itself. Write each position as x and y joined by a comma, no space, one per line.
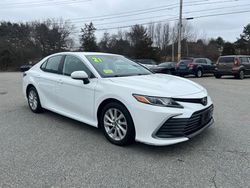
202,101
179,127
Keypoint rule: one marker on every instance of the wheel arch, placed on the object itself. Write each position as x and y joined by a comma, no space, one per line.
28,87
102,105
200,68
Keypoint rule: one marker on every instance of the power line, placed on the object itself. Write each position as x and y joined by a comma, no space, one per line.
222,14
145,18
41,4
150,10
141,11
211,9
196,17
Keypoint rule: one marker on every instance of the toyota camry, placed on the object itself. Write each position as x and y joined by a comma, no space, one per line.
121,97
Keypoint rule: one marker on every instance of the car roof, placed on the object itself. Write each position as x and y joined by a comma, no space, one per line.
235,56
84,53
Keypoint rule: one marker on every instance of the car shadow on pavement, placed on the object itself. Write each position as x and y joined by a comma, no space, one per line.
203,76
180,148
232,78
70,123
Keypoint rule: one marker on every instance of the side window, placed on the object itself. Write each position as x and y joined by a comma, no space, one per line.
52,64
244,60
44,65
209,62
72,64
201,61
197,61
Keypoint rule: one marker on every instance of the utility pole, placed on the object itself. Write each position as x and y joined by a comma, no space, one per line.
173,41
180,31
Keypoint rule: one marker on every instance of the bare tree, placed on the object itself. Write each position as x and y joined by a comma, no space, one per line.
158,35
165,38
151,31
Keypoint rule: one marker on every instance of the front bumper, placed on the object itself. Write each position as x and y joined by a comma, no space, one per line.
149,119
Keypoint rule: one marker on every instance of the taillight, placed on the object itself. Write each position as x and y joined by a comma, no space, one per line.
191,65
237,62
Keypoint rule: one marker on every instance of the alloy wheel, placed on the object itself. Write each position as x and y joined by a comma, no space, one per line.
33,100
115,124
199,73
241,75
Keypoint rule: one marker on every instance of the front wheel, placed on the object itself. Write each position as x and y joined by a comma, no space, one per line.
117,124
33,100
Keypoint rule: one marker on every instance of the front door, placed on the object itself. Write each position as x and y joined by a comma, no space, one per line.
77,98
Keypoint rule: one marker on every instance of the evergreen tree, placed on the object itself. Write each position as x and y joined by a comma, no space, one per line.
88,39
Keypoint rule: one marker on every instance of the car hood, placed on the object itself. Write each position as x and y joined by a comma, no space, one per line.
160,85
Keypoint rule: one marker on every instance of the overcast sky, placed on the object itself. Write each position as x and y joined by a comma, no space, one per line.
228,26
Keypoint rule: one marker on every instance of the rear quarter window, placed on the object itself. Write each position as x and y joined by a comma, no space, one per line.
52,64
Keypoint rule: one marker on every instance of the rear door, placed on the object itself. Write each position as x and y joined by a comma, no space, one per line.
203,63
225,63
245,61
48,81
210,66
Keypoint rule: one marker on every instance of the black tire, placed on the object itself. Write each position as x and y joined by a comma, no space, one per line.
199,73
129,136
241,75
217,76
37,108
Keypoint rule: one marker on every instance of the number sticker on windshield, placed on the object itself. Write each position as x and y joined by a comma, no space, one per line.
108,71
97,59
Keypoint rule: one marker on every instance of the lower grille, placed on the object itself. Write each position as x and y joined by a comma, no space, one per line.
179,127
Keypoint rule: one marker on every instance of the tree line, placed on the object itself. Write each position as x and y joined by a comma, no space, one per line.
23,43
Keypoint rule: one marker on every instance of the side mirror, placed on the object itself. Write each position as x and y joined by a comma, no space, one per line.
80,75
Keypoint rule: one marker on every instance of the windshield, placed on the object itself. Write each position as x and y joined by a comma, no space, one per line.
226,60
116,66
185,62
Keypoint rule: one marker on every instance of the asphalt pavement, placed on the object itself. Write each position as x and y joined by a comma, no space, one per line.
49,150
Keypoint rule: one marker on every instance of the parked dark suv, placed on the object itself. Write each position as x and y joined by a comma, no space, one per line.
195,66
236,65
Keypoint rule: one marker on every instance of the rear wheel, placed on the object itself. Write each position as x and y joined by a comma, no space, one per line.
199,73
241,75
117,124
33,100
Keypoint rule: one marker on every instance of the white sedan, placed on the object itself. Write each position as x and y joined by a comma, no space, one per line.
124,99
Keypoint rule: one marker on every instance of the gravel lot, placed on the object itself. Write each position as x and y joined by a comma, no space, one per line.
48,150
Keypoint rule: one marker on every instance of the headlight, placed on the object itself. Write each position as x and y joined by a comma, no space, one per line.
158,101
